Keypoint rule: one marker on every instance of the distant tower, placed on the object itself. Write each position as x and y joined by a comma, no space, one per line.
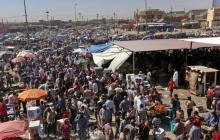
47,12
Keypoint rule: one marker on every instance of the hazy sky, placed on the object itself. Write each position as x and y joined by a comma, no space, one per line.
13,10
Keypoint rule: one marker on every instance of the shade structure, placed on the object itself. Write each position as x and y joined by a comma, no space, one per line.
12,129
161,44
99,48
18,60
106,56
167,44
208,40
116,54
32,94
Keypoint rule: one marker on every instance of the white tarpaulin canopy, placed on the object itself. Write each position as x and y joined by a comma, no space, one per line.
115,54
120,59
210,40
168,44
121,50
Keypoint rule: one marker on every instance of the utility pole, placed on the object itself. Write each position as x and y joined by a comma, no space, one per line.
97,18
114,21
171,14
26,21
47,14
80,16
3,26
146,16
137,16
75,12
171,11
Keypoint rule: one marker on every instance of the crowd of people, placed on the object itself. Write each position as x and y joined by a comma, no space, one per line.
89,101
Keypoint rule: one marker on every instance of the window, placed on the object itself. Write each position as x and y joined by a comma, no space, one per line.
217,14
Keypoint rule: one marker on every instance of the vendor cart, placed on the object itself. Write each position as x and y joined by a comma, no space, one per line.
200,77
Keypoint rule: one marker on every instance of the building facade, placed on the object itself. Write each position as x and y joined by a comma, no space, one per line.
3,28
213,17
152,15
197,15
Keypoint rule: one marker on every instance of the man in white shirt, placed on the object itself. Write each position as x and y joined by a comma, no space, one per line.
148,76
130,95
141,100
95,88
136,98
110,90
10,99
175,78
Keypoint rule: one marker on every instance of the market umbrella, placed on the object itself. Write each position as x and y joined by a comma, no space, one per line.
18,60
12,129
32,94
29,55
81,61
26,54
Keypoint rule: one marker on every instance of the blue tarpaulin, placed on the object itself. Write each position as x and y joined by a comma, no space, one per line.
99,48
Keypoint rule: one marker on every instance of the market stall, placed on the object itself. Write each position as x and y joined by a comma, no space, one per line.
26,54
35,127
32,94
12,129
33,112
200,77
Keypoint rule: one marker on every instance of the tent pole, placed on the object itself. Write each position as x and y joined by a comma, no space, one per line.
215,80
187,53
186,58
133,63
204,89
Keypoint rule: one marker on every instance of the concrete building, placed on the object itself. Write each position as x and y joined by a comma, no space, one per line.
3,28
151,15
176,18
177,14
197,15
213,17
